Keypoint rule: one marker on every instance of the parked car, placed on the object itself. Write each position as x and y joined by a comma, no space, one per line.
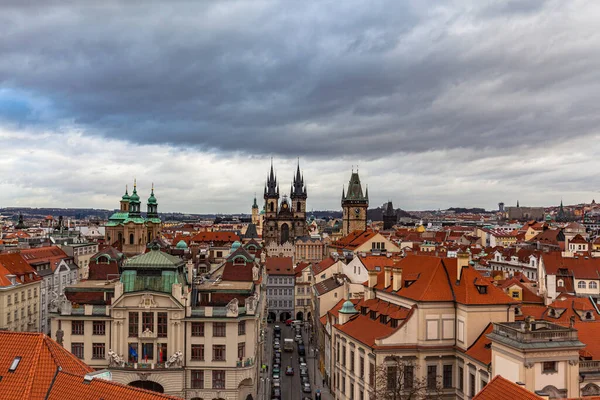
298,338
301,350
276,376
288,322
303,365
276,393
276,367
303,371
306,387
304,379
276,383
289,371
276,346
302,360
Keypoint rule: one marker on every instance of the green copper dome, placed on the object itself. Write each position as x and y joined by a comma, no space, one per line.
181,245
125,196
134,196
152,199
348,308
236,245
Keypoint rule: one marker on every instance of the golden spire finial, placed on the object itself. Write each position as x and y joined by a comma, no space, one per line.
134,183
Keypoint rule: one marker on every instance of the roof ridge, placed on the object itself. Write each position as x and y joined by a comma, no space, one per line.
33,369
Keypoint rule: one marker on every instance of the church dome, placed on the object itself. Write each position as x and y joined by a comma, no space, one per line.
420,229
181,245
152,199
134,196
348,308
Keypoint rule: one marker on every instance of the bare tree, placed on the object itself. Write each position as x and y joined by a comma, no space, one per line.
398,379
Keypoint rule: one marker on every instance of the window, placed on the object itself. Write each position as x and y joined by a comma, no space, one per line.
351,361
241,350
344,356
561,283
148,321
337,353
99,328
431,376
515,295
219,329
343,384
23,295
242,328
162,352
371,374
593,285
76,327
198,352
549,367
98,351
409,376
77,350
8,317
392,372
481,289
361,368
447,378
197,379
8,300
134,322
148,351
483,383
131,239
197,328
29,292
461,378
581,285
351,397
218,352
471,385
218,379
162,324
133,352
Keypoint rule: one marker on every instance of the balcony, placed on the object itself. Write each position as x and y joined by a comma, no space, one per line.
589,366
539,332
248,362
145,366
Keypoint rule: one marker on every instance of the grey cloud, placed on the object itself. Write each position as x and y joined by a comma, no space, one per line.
318,79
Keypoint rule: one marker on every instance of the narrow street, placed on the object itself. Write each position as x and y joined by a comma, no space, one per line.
291,388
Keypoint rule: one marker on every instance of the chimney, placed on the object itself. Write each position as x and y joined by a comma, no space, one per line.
388,277
462,261
397,281
372,279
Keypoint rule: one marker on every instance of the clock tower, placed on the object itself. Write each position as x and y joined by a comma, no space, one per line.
354,206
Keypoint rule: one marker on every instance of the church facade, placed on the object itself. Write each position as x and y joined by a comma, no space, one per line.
129,228
285,218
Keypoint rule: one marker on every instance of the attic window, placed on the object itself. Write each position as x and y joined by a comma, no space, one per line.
14,364
561,283
481,289
588,315
408,283
394,323
383,319
373,315
363,310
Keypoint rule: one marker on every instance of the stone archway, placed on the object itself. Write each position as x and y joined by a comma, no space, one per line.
554,393
284,316
148,385
272,316
285,233
300,316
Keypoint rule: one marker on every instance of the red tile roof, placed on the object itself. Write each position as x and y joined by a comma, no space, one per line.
580,267
372,262
365,330
481,349
300,267
353,240
239,272
435,279
578,239
500,388
73,387
220,236
51,254
40,358
280,266
323,265
15,264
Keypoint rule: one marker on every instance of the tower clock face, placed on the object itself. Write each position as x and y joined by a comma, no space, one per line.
285,206
357,211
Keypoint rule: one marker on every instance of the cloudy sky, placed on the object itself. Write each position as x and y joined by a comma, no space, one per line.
440,104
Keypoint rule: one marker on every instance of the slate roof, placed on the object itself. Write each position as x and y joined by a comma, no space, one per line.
328,285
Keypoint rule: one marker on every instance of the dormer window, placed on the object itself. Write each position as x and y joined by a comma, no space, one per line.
394,323
588,315
408,283
561,283
481,289
552,312
383,319
363,310
373,315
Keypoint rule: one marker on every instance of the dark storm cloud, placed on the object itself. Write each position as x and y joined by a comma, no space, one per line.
306,78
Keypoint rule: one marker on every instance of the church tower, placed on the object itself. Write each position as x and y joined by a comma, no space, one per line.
125,201
389,217
255,212
298,200
270,229
354,206
152,206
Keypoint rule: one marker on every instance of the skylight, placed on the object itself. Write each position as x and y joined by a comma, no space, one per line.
14,364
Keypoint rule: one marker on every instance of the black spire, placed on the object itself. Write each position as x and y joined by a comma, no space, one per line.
298,188
271,188
389,216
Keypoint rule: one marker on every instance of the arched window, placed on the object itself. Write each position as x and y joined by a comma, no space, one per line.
581,285
299,206
271,207
561,283
131,239
593,285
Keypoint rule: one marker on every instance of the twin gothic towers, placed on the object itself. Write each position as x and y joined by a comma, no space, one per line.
285,219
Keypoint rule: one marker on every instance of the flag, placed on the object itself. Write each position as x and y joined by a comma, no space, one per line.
132,352
160,354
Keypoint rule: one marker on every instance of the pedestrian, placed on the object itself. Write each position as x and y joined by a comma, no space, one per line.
323,382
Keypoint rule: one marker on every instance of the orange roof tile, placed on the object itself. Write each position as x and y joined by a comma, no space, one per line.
16,265
481,349
500,388
323,265
40,359
365,330
219,236
73,387
280,266
353,239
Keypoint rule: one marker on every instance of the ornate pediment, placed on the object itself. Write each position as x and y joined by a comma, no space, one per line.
147,301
